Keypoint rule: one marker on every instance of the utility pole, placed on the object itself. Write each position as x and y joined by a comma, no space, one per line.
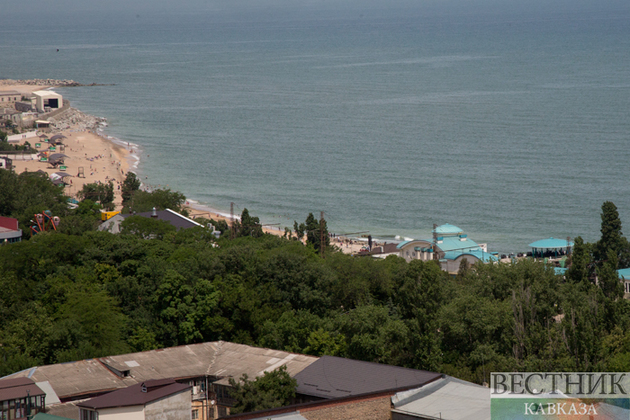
232,232
322,243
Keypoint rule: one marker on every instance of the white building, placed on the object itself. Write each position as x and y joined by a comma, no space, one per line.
47,100
450,246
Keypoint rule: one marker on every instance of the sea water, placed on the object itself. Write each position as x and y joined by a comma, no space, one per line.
513,126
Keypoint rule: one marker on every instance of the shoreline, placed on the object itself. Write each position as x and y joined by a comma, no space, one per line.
105,158
89,151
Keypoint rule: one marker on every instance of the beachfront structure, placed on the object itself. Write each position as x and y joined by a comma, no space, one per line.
6,163
550,247
9,230
47,100
450,246
8,97
624,277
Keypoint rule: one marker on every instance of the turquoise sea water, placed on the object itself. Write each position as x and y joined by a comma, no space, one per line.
513,126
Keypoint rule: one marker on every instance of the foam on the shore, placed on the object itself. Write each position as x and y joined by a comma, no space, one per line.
194,204
133,159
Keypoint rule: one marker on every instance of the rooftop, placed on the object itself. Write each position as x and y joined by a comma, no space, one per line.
168,215
446,398
218,358
11,389
551,243
477,253
139,394
448,229
335,377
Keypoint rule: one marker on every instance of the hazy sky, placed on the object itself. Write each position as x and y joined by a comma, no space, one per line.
455,6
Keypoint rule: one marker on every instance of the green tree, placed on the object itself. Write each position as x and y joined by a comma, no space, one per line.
88,324
161,199
314,231
579,270
130,185
271,390
101,193
299,230
612,238
248,226
146,227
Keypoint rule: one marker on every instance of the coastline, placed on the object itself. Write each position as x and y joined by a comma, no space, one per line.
101,158
105,158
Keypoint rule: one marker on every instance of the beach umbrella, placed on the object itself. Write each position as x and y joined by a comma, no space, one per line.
57,156
62,174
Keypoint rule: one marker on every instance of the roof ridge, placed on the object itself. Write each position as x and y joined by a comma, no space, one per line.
183,217
215,356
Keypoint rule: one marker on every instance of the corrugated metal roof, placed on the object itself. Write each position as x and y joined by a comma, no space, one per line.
477,253
170,216
402,244
218,358
284,416
134,395
453,243
447,398
233,360
334,377
551,243
11,389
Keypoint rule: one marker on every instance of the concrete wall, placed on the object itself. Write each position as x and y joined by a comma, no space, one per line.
175,407
135,412
22,136
42,97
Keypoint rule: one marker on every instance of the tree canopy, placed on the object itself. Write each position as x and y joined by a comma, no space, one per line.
158,287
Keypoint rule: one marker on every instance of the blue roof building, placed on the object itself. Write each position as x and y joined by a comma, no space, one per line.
550,247
450,246
624,277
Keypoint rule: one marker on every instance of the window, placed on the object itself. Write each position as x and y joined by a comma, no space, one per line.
88,415
195,414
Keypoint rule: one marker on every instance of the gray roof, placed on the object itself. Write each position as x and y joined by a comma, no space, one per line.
284,416
14,388
139,394
168,215
218,358
447,398
335,377
44,416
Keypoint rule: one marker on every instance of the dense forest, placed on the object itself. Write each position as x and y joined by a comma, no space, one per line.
79,293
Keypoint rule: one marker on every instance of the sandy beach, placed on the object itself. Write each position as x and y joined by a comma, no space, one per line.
98,158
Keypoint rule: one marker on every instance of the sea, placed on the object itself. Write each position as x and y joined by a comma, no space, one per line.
509,121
